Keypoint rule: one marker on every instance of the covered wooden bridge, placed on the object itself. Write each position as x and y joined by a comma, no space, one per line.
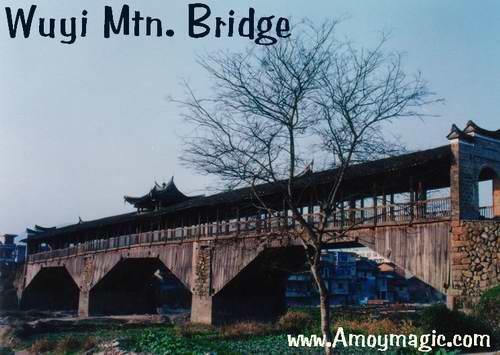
420,210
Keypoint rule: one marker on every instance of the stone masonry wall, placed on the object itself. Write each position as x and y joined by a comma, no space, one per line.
475,263
202,283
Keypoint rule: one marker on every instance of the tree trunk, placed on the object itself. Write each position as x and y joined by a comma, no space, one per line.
324,304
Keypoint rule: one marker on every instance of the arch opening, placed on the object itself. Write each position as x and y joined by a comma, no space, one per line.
258,292
356,275
138,286
52,289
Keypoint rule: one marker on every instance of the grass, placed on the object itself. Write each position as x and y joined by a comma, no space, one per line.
248,329
166,341
240,338
264,338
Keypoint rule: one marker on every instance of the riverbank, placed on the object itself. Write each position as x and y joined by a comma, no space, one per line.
62,333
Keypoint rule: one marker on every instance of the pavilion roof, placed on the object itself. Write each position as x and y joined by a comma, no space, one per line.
471,129
159,195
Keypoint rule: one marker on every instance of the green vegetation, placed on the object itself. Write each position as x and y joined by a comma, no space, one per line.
252,337
450,323
488,307
165,341
444,321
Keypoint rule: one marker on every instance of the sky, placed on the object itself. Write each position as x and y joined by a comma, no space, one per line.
81,125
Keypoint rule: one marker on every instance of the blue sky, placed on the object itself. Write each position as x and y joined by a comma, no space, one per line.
83,124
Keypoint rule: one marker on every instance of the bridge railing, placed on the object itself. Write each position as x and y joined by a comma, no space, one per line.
486,212
438,208
432,209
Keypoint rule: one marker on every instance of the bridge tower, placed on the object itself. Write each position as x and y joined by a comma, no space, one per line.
474,262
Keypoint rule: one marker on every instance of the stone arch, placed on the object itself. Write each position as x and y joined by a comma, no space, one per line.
137,286
52,288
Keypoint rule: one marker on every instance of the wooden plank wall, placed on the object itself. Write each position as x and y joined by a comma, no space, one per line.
422,249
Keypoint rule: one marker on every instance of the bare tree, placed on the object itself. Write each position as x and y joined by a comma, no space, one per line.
270,105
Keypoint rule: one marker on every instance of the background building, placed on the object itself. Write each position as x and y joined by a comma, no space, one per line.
359,279
11,256
10,252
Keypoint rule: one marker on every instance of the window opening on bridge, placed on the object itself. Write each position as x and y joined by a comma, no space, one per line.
488,190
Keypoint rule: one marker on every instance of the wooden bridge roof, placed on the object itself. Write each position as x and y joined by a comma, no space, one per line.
429,166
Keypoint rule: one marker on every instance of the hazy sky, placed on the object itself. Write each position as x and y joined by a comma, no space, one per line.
83,124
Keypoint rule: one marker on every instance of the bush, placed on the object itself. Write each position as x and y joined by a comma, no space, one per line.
245,329
89,343
188,330
41,346
488,307
294,322
375,326
67,345
450,323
